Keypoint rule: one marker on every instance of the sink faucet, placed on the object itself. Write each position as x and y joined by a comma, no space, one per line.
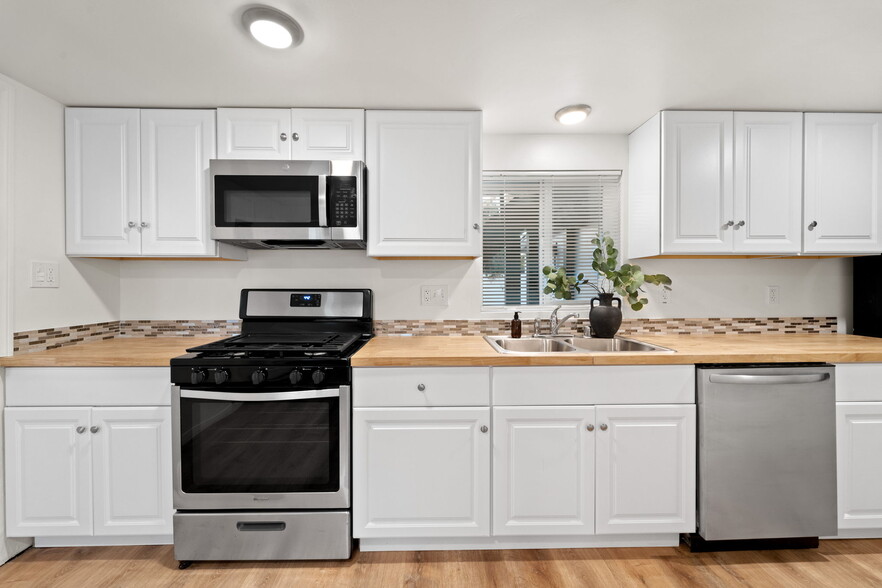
555,323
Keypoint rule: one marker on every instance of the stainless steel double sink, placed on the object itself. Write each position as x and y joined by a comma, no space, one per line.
532,345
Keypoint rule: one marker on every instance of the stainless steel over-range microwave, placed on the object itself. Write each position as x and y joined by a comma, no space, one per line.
275,204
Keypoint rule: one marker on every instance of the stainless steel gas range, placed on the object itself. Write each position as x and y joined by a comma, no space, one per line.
261,426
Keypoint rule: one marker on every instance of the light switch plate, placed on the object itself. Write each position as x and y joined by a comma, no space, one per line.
44,274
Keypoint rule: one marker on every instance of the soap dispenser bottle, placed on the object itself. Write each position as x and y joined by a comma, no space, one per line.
516,327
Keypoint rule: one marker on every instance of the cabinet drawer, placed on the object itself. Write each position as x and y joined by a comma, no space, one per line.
88,386
859,382
561,385
421,386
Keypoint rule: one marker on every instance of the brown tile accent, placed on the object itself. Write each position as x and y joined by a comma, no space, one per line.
43,339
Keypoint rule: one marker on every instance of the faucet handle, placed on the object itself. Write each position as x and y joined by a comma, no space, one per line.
536,326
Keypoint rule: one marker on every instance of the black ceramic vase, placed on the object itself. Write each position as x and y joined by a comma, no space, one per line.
605,318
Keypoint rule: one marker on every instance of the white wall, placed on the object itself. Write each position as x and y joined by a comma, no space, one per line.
702,288
89,289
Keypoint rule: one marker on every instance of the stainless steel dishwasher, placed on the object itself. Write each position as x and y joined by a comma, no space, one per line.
766,456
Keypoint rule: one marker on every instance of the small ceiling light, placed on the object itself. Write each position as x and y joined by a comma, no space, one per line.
570,115
272,27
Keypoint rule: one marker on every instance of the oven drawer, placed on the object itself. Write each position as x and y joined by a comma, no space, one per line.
444,386
261,536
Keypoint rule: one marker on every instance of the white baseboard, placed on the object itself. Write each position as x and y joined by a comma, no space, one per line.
857,534
88,541
465,543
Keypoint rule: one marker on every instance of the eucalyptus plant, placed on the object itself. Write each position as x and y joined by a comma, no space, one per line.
626,280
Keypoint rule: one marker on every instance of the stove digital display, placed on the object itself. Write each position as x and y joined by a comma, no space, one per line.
306,300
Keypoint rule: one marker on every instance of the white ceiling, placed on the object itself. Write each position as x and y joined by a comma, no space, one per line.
517,60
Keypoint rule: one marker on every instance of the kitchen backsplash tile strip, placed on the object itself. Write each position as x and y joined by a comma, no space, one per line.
44,339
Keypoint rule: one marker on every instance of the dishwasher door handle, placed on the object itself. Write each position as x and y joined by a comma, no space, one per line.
754,379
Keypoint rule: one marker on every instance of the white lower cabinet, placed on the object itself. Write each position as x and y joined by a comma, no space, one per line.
645,469
79,471
543,470
421,472
859,447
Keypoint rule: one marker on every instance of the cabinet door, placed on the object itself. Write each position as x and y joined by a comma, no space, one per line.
859,468
102,185
768,182
424,183
645,469
843,199
254,133
176,146
48,472
132,459
697,182
327,133
421,472
543,470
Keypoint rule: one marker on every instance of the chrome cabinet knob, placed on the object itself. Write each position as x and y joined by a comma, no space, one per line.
421,387
295,136
132,224
94,428
812,226
283,137
484,428
81,429
590,427
728,224
603,427
740,224
476,226
144,225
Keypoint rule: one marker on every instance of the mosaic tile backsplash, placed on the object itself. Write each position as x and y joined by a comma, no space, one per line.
43,339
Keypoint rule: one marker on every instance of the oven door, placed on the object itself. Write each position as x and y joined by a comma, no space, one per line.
261,450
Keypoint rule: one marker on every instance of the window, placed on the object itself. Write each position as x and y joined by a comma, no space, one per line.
534,219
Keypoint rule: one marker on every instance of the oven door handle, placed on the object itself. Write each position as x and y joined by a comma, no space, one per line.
261,396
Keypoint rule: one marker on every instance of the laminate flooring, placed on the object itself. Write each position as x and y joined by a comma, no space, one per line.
846,563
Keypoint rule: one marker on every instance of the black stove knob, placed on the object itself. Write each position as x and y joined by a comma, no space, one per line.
318,376
258,376
197,376
295,377
220,376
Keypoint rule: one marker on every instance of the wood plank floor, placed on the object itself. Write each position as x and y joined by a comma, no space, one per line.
846,563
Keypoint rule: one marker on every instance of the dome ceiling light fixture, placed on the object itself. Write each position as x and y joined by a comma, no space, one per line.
272,27
573,114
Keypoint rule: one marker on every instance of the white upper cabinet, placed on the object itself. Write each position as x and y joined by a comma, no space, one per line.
137,183
103,191
768,182
176,148
843,157
424,183
286,133
716,182
696,182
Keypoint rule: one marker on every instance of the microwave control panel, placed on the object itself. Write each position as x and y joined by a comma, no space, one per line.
342,201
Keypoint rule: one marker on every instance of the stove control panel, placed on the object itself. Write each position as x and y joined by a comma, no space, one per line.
263,377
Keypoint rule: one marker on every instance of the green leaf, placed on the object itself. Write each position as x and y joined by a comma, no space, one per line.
546,270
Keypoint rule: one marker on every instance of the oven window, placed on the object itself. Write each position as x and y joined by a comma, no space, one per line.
283,446
266,201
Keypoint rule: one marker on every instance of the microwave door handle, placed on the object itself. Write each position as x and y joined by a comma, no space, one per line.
323,201
261,396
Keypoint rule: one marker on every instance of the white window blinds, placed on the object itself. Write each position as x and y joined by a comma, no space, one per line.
534,219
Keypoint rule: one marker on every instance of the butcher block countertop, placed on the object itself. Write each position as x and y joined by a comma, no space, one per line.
690,349
121,352
475,351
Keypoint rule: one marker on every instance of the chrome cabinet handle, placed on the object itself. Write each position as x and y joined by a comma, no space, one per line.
81,429
421,387
283,137
94,428
484,428
603,427
812,226
590,427
295,136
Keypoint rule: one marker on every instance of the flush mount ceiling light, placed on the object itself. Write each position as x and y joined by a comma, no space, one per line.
570,115
272,27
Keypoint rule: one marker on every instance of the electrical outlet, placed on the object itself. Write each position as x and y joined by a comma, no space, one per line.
44,274
433,295
665,295
773,294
